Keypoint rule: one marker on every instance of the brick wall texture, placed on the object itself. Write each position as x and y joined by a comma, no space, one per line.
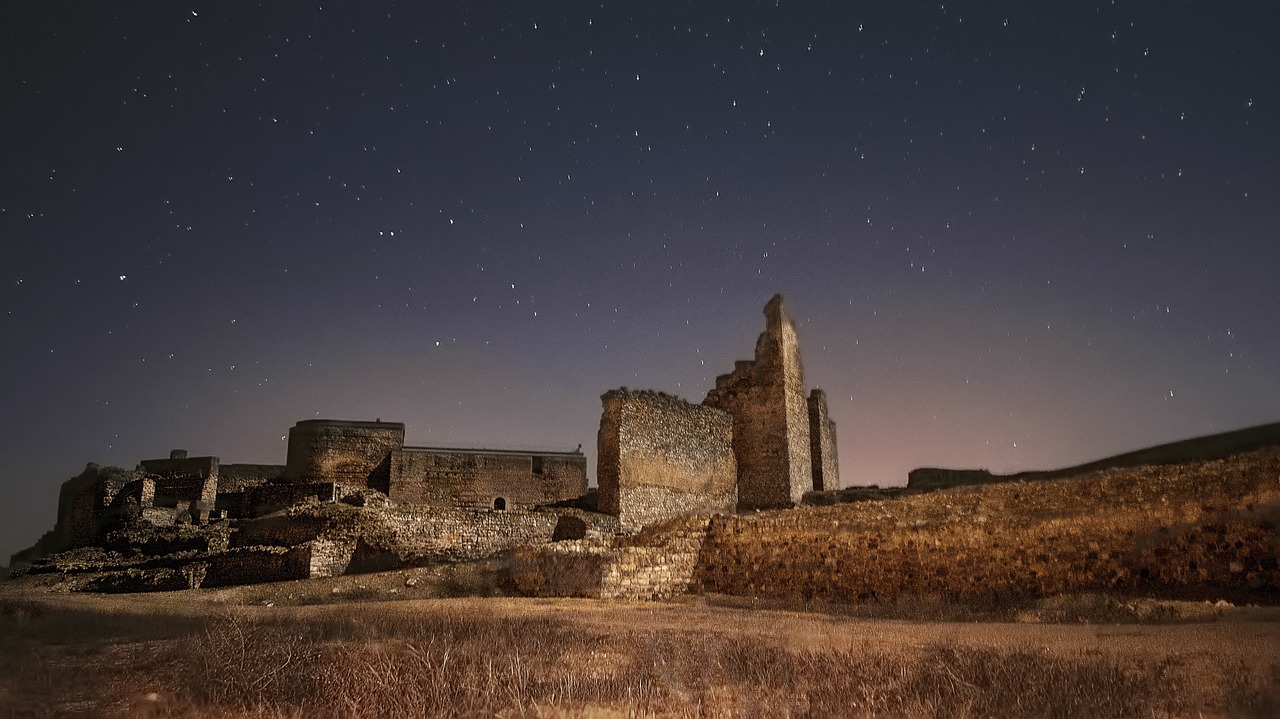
659,457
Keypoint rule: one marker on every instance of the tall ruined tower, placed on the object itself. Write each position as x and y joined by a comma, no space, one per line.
766,397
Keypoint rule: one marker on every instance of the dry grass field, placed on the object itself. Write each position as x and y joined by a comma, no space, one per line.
225,653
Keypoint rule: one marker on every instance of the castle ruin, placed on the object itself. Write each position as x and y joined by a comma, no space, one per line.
659,456
756,441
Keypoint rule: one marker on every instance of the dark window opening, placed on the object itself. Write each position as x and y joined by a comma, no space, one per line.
537,465
499,503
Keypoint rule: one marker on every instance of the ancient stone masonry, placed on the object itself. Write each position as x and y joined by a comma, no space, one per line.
485,478
351,497
341,451
372,454
771,418
192,481
658,563
659,457
822,441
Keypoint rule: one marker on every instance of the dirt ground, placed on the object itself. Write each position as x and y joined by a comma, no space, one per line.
1198,636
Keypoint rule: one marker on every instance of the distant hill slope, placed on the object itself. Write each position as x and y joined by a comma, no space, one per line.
1213,446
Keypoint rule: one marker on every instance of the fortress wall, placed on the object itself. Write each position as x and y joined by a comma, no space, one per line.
417,535
477,479
181,466
344,452
766,398
822,443
1192,532
184,479
239,477
659,457
268,498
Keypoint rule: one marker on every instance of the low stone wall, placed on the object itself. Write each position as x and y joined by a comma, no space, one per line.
253,565
328,557
239,477
284,530
431,535
657,564
269,498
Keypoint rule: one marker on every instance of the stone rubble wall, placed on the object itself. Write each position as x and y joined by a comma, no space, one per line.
240,477
659,563
328,557
271,497
661,457
462,535
253,565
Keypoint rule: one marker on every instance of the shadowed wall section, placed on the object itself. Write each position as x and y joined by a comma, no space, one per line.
822,443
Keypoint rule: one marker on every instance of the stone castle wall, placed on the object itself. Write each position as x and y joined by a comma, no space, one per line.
239,477
766,398
434,535
345,452
485,479
822,440
180,478
660,457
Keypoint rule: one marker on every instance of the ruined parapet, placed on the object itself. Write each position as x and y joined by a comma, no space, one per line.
659,457
822,443
766,398
343,452
179,479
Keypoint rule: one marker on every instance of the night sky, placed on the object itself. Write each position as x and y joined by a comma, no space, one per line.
1012,235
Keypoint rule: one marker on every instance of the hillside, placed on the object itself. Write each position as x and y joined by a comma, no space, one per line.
1195,530
1213,446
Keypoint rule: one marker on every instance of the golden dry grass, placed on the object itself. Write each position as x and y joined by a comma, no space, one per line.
509,657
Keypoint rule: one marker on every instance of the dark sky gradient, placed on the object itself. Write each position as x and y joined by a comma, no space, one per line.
1013,235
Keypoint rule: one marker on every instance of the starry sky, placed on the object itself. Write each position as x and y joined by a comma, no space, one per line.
1012,235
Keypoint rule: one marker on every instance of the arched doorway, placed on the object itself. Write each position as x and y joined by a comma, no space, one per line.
499,503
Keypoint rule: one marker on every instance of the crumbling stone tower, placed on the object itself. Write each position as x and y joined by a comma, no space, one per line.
766,398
